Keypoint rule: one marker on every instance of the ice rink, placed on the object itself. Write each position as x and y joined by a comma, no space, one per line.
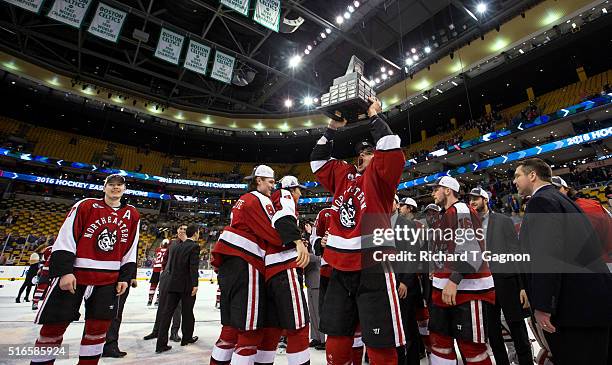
17,328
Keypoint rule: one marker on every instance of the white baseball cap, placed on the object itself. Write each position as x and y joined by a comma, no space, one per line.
432,207
396,198
447,182
290,182
559,182
409,201
261,171
479,192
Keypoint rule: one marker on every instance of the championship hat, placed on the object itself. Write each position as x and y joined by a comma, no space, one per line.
261,171
479,192
290,182
409,201
447,182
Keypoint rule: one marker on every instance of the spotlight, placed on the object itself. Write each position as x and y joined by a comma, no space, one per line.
377,80
323,35
294,61
413,50
383,69
347,15
415,57
574,25
356,3
315,100
339,19
438,90
307,101
390,72
409,61
309,47
351,8
481,7
288,103
521,51
604,10
327,30
427,49
306,51
454,83
371,82
384,76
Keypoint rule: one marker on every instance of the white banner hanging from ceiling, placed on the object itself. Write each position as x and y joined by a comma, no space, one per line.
70,12
31,5
223,67
196,58
267,13
241,6
107,22
169,46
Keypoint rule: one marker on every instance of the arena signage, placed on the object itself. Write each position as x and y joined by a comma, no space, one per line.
31,5
169,46
241,6
267,13
107,22
196,58
223,67
69,12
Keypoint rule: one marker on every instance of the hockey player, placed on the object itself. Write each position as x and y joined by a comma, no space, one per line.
238,256
93,258
160,253
462,290
360,290
285,259
43,277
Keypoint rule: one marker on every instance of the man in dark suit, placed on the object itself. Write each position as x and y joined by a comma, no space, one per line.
510,296
568,284
181,285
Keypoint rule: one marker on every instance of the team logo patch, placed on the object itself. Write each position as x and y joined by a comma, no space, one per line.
96,205
347,214
106,240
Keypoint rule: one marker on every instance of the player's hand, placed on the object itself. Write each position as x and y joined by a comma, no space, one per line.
134,283
303,258
334,124
524,299
402,291
194,290
375,107
543,319
68,282
121,287
449,294
324,240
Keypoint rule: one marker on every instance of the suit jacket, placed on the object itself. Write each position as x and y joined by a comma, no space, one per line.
182,269
566,276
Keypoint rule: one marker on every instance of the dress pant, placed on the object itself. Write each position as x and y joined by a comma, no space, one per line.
176,318
167,305
520,337
313,297
579,345
409,354
112,335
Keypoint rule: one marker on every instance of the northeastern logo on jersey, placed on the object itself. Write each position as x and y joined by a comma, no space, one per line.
347,214
106,240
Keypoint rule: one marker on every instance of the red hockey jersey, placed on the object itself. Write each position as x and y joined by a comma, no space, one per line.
97,243
160,253
249,232
281,257
45,259
602,224
362,203
319,229
477,283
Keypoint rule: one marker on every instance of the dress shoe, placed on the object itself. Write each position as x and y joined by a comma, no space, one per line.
150,336
320,346
163,349
149,303
314,343
26,300
191,340
115,354
17,300
175,338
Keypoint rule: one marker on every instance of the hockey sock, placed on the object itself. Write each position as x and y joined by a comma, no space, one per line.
442,350
224,347
339,350
246,347
382,356
475,353
422,318
39,292
93,341
297,346
51,335
152,289
266,350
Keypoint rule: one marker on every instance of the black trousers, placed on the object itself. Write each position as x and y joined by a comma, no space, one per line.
27,285
176,318
520,337
579,345
167,305
409,354
112,335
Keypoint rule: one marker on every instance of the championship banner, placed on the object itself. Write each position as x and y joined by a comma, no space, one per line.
267,13
196,58
107,22
223,67
70,12
31,5
241,6
169,46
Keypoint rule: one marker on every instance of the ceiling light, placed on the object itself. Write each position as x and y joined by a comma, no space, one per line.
438,90
323,35
377,80
427,49
481,7
288,103
415,57
308,100
316,100
521,51
306,51
351,8
309,47
409,61
574,25
371,82
384,76
356,4
413,50
339,19
294,61
390,72
425,97
604,10
383,69
347,15
327,30
454,83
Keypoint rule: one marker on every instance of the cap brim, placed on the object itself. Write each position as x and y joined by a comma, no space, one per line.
432,185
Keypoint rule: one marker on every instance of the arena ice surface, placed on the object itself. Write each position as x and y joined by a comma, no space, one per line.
17,328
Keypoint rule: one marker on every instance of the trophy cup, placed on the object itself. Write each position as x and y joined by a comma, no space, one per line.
348,97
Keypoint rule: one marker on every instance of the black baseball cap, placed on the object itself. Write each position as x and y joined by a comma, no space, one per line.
359,147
